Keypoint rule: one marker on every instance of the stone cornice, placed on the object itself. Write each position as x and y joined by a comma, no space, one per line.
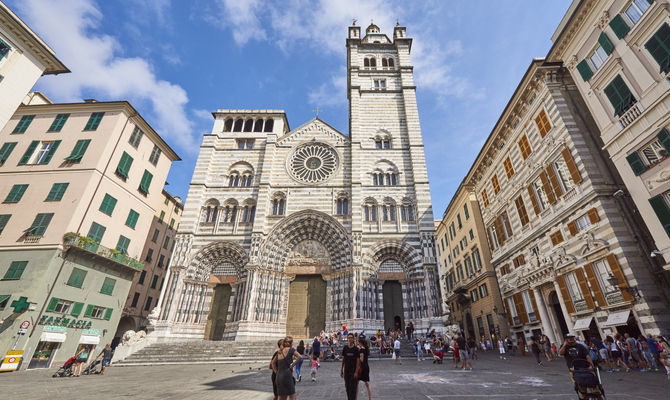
571,29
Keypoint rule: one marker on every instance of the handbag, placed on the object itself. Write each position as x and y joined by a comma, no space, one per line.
393,356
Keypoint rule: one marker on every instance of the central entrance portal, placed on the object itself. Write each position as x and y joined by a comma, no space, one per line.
393,310
306,306
216,320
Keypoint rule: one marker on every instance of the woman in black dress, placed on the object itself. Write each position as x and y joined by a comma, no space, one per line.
364,375
273,367
284,364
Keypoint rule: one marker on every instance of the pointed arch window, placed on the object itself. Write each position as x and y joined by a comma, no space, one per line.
342,206
228,125
238,125
278,206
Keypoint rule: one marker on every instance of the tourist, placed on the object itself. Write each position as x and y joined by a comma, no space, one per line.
618,353
301,350
603,354
535,349
316,348
463,350
426,348
283,364
666,363
106,354
80,360
571,351
472,345
438,352
364,375
457,353
274,370
546,344
419,350
350,367
501,349
635,353
396,351
315,366
521,345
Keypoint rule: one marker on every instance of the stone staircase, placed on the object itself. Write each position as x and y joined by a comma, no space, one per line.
225,352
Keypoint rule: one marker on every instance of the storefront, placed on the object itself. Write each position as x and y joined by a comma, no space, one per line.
50,341
621,322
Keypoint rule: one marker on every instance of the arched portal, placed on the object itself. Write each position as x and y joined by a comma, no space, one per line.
558,312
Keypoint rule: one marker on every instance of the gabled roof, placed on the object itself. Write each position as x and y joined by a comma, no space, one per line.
314,125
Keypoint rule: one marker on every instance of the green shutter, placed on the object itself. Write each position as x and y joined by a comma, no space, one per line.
108,286
16,193
15,270
4,49
122,244
89,310
619,26
4,219
58,122
51,152
619,95
57,191
23,124
77,277
131,221
52,304
108,204
662,211
124,165
29,152
146,182
636,163
5,151
79,150
76,309
584,70
39,225
96,232
663,136
659,47
94,121
108,314
605,43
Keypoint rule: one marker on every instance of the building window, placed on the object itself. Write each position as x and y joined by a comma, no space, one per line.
132,218
4,219
143,276
466,212
229,214
459,272
540,194
136,298
108,286
619,96
5,151
145,183
512,310
62,306
563,174
76,278
43,155
39,225
172,222
122,245
524,147
166,242
474,296
15,270
388,212
636,9
57,191
573,288
380,84
23,124
147,305
108,204
370,212
543,124
94,121
485,198
468,265
582,222
472,234
458,219
210,217
556,237
154,282
154,237
383,143
95,312
509,169
407,212
464,243
248,213
123,167
493,236
278,206
58,122
659,47
136,137
598,57
483,290
603,273
78,151
653,153
161,261
530,310
155,155
161,217
245,144
495,184
96,232
16,193
4,49
342,206
476,260
150,254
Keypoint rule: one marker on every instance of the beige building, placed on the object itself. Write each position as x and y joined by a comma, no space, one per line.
469,283
618,53
568,253
79,185
147,285
24,57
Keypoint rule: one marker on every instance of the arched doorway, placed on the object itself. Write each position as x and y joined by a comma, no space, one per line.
306,315
558,312
126,323
393,309
218,312
471,325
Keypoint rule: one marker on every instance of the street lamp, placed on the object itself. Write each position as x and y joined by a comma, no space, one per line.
501,314
633,290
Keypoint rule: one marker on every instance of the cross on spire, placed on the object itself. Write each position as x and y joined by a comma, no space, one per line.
316,111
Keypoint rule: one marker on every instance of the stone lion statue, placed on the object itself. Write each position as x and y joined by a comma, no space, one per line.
132,337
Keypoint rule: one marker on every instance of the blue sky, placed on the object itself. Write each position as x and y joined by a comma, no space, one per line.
176,61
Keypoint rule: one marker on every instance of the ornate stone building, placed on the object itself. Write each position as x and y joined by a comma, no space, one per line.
565,246
294,231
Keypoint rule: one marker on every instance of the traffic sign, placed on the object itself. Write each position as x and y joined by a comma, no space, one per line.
25,324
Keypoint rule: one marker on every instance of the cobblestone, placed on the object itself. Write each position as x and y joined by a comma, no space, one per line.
516,378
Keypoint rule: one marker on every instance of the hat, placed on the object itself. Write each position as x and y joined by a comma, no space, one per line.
569,335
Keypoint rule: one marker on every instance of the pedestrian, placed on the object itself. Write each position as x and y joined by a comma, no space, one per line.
364,375
349,369
301,350
419,350
616,351
274,370
635,353
666,363
571,351
315,366
106,354
457,353
316,348
472,345
546,344
522,346
396,351
501,349
286,359
80,360
535,349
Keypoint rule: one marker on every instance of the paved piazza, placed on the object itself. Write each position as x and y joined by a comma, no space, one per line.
517,378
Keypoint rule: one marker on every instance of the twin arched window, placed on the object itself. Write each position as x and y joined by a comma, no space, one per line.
370,211
387,62
342,206
229,213
388,211
248,213
383,142
248,125
211,213
278,203
407,212
370,62
385,179
235,180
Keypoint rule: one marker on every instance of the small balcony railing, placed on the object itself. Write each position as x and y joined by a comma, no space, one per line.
631,115
74,240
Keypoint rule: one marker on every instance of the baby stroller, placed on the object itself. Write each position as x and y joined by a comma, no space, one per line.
66,369
587,383
92,368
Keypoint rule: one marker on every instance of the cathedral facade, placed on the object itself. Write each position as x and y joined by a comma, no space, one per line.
292,231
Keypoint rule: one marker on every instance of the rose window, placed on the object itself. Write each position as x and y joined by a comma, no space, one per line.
313,163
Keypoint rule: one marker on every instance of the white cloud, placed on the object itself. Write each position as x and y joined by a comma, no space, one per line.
331,93
98,70
244,18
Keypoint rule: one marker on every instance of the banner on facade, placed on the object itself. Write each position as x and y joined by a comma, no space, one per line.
582,324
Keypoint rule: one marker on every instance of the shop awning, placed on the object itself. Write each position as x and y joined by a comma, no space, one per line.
89,339
582,324
617,318
53,337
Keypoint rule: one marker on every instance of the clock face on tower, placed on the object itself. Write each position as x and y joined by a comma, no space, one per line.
312,163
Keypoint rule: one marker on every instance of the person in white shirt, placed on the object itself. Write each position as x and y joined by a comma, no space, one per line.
396,349
501,348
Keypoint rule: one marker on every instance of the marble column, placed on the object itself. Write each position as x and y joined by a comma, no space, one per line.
544,315
566,315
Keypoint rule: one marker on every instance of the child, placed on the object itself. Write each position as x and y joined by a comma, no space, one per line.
501,348
666,362
315,366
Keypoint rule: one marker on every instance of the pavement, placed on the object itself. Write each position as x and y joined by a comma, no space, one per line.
516,378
